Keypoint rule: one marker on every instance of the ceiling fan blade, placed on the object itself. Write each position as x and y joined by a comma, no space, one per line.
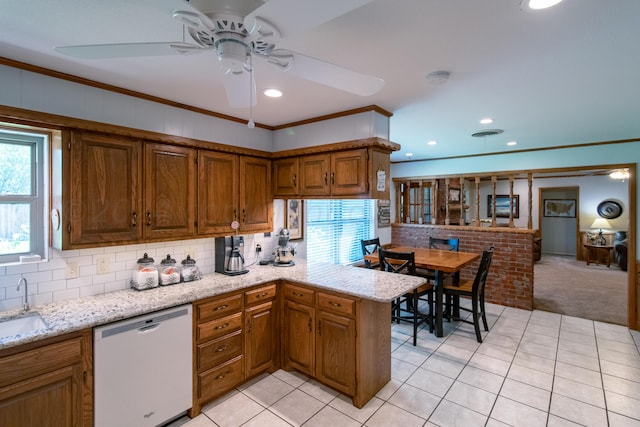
240,88
295,16
124,50
324,73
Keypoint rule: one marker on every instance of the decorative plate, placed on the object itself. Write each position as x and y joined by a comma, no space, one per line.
609,209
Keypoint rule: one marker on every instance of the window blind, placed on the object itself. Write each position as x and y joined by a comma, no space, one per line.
336,227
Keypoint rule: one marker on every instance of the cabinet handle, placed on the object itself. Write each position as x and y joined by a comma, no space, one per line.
325,179
235,214
219,349
334,304
297,294
149,218
294,180
224,374
262,295
319,327
244,215
333,178
310,325
134,219
222,307
221,326
249,326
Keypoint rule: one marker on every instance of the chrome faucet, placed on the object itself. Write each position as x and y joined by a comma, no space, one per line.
26,292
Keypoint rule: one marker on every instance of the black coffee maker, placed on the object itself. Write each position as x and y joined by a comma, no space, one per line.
230,255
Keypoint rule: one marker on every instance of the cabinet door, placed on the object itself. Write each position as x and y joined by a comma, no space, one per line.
299,337
170,191
256,202
260,338
314,175
349,172
285,177
104,182
217,192
335,347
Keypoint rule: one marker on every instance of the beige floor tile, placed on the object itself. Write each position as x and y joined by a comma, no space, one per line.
549,331
527,394
621,371
617,420
532,361
517,414
449,414
623,405
496,351
538,350
496,338
319,391
293,378
266,418
579,391
488,363
390,415
268,390
555,421
329,416
415,401
539,339
578,412
446,367
234,411
580,360
430,381
531,376
471,397
296,407
410,354
576,373
481,379
401,370
343,404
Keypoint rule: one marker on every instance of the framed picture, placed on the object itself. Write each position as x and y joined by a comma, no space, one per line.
560,208
454,195
502,206
294,221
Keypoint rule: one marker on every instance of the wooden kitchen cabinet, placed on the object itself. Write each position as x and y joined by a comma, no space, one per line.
285,177
342,173
261,326
299,325
101,180
233,188
48,383
170,191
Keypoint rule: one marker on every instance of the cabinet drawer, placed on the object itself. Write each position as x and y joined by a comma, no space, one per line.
219,307
266,293
219,327
219,350
217,381
336,304
298,294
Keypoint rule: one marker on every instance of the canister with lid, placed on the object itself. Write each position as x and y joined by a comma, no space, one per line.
169,271
145,274
190,270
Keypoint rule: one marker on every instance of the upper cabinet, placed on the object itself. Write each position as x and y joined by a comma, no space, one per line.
170,191
335,172
233,188
101,183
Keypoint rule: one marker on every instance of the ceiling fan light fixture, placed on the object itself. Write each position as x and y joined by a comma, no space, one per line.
542,4
486,121
232,54
620,174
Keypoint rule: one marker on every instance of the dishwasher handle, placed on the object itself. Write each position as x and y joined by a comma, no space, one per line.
143,324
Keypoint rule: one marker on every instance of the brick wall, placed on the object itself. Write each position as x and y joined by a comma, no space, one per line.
510,279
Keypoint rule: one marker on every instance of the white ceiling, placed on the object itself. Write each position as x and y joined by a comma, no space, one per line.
560,76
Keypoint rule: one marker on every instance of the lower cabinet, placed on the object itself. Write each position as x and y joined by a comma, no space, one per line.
335,352
299,320
48,383
261,326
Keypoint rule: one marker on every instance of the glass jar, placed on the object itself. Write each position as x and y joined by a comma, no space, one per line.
190,270
145,275
169,271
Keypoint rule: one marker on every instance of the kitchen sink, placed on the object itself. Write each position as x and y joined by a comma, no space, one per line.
21,325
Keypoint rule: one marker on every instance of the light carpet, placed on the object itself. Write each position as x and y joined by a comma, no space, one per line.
567,286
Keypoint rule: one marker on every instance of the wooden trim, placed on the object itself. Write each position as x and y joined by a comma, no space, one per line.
34,119
339,146
530,150
117,89
334,116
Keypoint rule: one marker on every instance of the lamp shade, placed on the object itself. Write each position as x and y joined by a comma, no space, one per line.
600,223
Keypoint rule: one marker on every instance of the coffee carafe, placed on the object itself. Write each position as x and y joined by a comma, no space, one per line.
236,261
229,255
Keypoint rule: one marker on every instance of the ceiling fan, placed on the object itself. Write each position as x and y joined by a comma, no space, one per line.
240,30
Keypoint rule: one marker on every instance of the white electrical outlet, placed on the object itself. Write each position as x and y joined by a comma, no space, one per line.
71,271
102,263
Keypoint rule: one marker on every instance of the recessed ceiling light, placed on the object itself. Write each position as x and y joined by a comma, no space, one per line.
432,142
438,77
273,93
542,4
409,154
486,120
512,143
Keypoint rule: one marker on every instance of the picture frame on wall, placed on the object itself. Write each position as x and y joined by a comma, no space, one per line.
502,206
560,208
294,220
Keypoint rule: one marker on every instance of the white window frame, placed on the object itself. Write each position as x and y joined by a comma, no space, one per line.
38,199
335,229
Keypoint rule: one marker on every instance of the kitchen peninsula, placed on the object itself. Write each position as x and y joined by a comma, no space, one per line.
343,300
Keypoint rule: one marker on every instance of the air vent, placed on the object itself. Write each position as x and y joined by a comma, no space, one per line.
487,132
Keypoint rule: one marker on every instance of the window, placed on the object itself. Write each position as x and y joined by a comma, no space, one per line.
22,195
336,227
415,198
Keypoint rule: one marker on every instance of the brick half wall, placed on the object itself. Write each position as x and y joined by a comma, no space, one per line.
510,279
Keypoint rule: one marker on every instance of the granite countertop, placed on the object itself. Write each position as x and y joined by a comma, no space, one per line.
81,313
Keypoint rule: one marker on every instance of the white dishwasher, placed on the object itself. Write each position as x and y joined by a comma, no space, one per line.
143,369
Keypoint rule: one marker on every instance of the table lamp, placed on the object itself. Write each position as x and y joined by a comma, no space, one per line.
600,223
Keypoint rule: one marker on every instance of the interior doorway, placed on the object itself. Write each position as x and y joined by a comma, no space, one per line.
559,222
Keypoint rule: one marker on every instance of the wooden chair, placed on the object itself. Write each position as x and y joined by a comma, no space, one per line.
475,290
370,246
404,263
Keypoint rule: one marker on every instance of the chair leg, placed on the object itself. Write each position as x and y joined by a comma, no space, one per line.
476,320
431,312
484,314
415,317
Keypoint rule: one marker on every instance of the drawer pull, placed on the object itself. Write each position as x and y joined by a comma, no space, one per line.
335,304
221,326
223,348
264,294
297,294
221,376
222,307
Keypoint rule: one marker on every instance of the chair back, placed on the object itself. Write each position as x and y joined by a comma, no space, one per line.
369,246
449,244
397,262
481,276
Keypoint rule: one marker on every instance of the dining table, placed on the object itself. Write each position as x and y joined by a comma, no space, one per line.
442,262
